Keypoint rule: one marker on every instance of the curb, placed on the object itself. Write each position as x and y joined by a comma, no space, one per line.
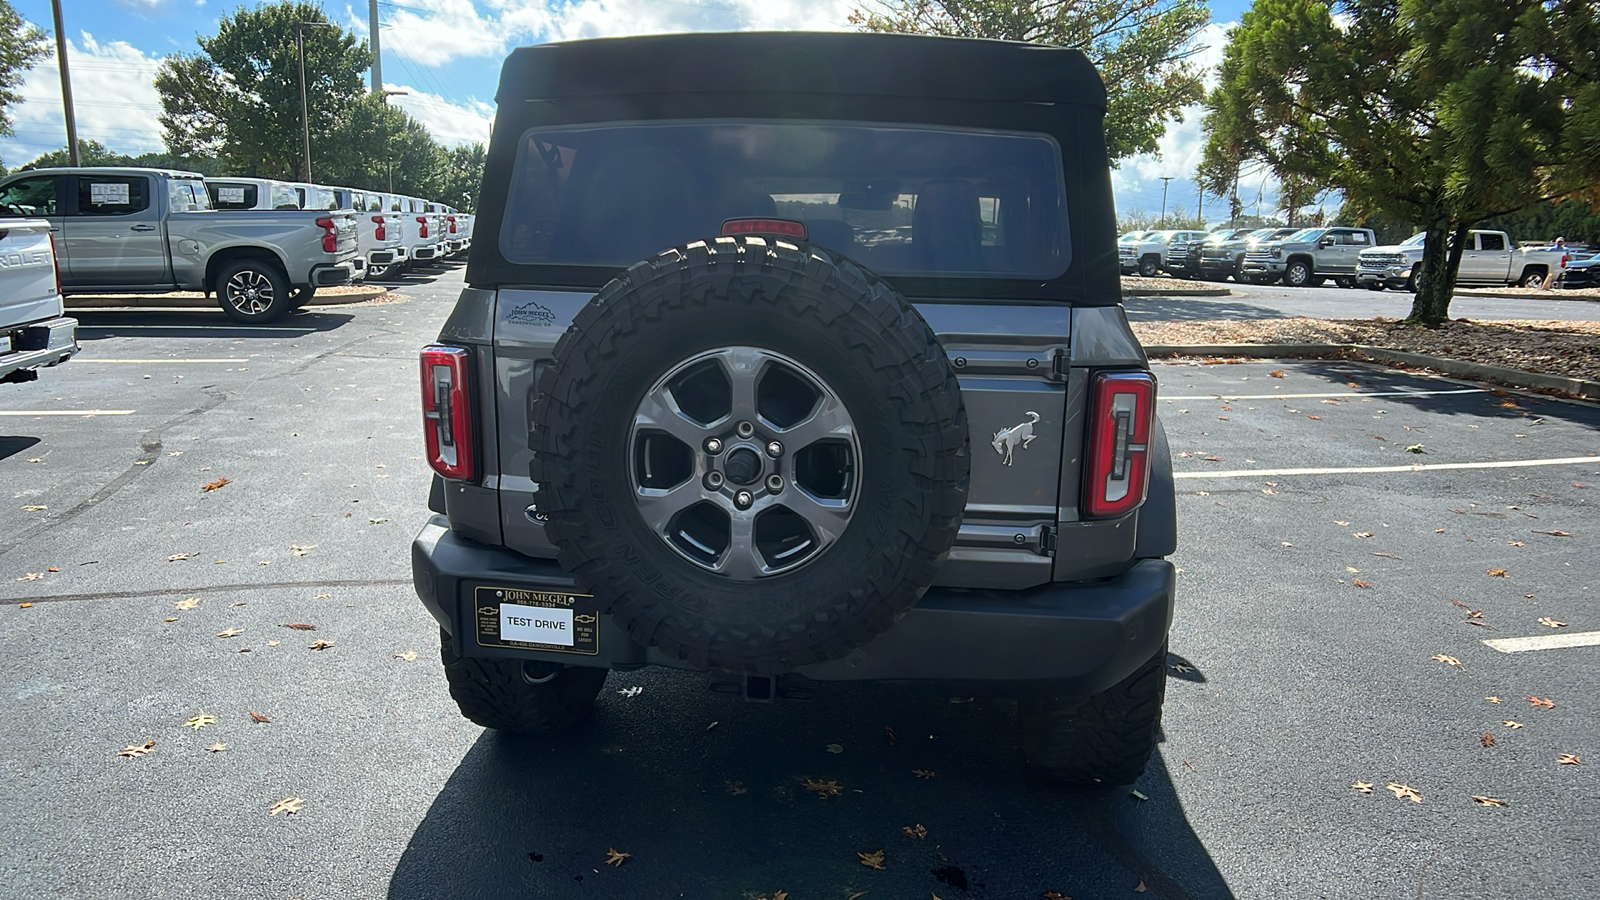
191,300
1506,295
1534,381
1180,292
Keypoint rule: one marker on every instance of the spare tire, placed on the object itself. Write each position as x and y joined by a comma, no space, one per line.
754,454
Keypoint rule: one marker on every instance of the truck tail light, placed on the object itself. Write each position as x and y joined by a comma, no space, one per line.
55,260
788,228
446,411
382,234
422,226
330,235
1122,408
452,224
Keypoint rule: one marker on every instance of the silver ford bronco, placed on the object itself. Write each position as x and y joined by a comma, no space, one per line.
797,358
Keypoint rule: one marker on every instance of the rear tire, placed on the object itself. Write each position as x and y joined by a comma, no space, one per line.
252,291
1149,267
1104,739
520,697
1531,278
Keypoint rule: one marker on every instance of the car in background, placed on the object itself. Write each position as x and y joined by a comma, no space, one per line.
428,228
378,232
1490,257
237,194
34,333
1148,255
1221,259
315,196
453,227
1187,265
1309,257
1583,271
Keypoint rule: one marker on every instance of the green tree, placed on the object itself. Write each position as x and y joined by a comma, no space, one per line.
463,176
90,153
21,45
238,99
1141,47
1441,112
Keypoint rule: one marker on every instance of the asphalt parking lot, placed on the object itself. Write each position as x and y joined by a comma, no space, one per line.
1324,566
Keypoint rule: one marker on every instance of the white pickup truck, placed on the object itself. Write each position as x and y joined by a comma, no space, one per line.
1147,252
33,332
1488,258
251,193
150,231
424,231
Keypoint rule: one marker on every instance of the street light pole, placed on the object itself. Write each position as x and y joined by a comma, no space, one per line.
388,151
66,84
305,111
1164,181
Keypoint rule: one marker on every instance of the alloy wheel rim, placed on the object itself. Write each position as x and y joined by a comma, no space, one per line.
250,292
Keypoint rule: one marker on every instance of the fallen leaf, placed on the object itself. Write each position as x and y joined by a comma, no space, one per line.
36,459
1404,792
835,748
287,806
1554,532
24,606
1212,458
273,643
888,732
218,747
1340,524
323,596
231,632
34,508
258,717
1545,702
300,626
1364,787
1511,724
1319,419
213,485
915,832
1487,801
857,895
1516,543
200,721
319,645
1498,573
1492,699
408,656
1567,759
379,521
302,550
780,895
187,603
1140,888
873,860
1138,794
615,857
1276,373
134,751
1546,620
928,774
824,789
1363,534
1486,739
1055,895
1449,661
631,691
1385,554
177,557
1415,448
1359,583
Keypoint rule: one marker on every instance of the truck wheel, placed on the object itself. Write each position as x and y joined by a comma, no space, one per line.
1345,281
519,697
1149,266
1106,738
1298,274
252,291
753,454
1531,278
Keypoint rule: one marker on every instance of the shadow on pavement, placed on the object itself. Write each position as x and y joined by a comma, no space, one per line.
1194,309
12,444
94,324
708,794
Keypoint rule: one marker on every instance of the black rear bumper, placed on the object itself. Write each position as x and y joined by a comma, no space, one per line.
1080,637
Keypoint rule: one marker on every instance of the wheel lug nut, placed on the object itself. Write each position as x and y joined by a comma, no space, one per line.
774,449
713,446
775,483
745,429
743,499
713,480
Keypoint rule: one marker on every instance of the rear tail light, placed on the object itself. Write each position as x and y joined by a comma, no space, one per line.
446,411
382,233
770,227
452,224
422,222
1122,410
330,235
55,260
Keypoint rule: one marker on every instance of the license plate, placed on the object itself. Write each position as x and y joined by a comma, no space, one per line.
537,620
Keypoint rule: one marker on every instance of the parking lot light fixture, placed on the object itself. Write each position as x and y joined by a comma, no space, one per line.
305,112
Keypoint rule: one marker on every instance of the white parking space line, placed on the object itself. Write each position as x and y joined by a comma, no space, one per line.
1309,396
66,412
146,362
1421,467
1546,642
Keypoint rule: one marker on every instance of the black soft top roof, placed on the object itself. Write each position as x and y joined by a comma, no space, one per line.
885,65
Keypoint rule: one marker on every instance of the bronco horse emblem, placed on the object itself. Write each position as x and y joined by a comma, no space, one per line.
1006,440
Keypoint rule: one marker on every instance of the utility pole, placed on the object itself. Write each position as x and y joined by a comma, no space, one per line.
388,145
1165,179
305,111
377,51
66,84
1200,209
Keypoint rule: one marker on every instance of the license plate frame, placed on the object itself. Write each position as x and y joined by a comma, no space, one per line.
497,610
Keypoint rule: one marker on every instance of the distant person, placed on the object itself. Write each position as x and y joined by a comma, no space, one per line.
1561,266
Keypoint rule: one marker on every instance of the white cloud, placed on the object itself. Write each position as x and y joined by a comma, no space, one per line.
450,123
113,93
435,32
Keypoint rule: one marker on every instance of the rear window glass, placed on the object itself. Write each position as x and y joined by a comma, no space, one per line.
229,195
901,200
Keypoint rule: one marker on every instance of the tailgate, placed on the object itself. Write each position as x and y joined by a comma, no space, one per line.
27,273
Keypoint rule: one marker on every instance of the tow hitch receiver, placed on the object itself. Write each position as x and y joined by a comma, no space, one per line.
764,688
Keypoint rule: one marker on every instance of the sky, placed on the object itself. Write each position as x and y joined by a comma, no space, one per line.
446,55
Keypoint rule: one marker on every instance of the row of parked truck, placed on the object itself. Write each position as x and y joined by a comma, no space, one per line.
261,247
1308,257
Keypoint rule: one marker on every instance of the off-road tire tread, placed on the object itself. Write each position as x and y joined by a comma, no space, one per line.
1103,739
795,283
493,693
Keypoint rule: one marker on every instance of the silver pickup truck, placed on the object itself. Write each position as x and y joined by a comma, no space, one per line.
146,231
33,332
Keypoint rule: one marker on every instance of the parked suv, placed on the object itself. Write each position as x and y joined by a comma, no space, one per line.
792,388
1309,257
